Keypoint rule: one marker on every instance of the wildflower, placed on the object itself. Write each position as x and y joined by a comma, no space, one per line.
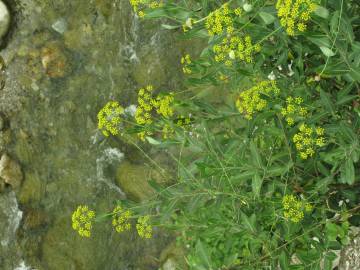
82,219
308,139
221,20
235,48
121,219
163,105
251,100
149,107
186,63
109,118
139,6
294,13
188,24
294,208
293,110
143,227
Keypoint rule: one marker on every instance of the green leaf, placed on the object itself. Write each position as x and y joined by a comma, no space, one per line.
170,27
249,222
322,12
328,260
328,52
203,254
326,101
153,141
255,155
347,172
257,181
267,17
284,261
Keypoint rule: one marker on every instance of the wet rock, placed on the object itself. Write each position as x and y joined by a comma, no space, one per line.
133,180
55,61
350,255
10,171
4,19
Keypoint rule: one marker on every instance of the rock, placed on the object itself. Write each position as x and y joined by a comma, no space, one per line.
4,19
150,69
54,60
133,180
60,26
10,171
350,255
172,258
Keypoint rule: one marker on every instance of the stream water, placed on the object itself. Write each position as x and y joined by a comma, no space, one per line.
65,60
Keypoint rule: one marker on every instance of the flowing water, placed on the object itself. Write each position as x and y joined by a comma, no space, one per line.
65,60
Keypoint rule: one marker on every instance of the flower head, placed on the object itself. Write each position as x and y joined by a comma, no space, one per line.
121,219
82,219
294,13
143,227
109,118
308,139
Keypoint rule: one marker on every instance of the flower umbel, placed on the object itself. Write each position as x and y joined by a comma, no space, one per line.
109,118
293,110
143,227
251,100
221,20
294,208
294,13
235,48
121,219
82,219
186,62
308,139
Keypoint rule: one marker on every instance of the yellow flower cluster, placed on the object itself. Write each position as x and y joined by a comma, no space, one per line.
235,48
148,105
121,219
251,100
221,19
293,110
181,121
82,219
308,139
163,105
143,227
186,62
294,13
294,208
140,5
109,118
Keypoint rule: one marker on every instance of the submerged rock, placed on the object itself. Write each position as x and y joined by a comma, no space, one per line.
133,180
55,61
10,171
